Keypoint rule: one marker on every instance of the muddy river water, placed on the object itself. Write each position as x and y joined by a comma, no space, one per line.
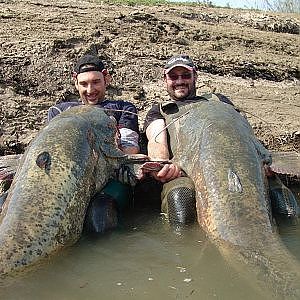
144,259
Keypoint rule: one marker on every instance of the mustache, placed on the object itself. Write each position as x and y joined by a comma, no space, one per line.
180,85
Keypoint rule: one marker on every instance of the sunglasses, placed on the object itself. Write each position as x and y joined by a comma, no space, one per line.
184,76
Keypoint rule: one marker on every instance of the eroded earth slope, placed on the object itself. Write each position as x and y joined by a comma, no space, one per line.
250,56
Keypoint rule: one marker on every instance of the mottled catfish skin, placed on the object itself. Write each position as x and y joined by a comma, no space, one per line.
68,161
216,147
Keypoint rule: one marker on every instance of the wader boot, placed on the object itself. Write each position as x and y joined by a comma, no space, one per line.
283,200
178,200
104,211
101,215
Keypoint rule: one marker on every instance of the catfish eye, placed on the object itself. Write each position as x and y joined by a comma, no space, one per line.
43,161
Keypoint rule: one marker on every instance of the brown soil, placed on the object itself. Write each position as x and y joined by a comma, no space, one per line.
250,56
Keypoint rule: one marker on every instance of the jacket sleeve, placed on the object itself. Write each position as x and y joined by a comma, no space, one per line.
129,118
59,108
52,112
152,115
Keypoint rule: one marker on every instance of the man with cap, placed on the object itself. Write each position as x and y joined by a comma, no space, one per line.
91,79
178,194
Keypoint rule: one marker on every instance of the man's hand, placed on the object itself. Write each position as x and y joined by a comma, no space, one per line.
162,172
167,173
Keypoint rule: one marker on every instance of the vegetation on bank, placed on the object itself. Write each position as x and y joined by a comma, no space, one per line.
286,6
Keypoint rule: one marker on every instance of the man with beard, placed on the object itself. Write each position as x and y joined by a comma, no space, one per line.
178,193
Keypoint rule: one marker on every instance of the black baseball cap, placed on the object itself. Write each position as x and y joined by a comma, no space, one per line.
181,60
89,63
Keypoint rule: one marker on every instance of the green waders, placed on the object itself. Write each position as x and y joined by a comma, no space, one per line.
105,207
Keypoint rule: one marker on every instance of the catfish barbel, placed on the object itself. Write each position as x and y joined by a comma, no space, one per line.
70,159
216,147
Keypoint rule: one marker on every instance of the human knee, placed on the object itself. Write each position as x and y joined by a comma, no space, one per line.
181,205
101,215
179,201
283,200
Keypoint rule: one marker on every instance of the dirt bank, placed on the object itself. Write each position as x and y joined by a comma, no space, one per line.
252,57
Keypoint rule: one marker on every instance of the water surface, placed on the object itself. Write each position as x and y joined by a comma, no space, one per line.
144,259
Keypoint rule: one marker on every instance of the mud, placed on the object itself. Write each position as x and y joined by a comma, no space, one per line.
250,56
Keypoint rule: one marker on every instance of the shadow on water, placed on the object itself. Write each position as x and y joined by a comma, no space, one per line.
143,259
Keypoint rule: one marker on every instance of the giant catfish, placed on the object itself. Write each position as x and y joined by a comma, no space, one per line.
68,161
216,147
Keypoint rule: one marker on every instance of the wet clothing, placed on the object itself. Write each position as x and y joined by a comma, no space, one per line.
127,122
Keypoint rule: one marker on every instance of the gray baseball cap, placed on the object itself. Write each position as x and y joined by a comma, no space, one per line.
181,60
